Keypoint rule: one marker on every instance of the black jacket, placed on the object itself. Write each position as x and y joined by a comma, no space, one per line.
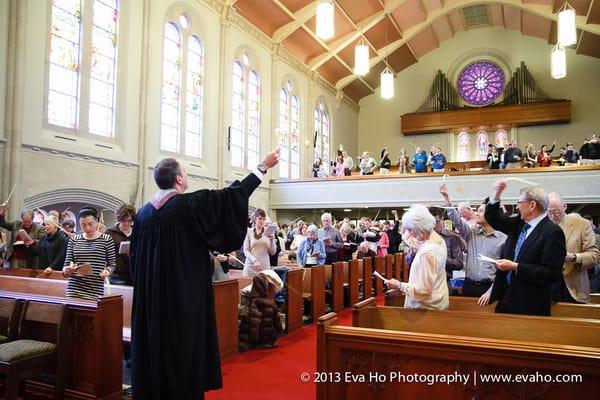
540,262
51,250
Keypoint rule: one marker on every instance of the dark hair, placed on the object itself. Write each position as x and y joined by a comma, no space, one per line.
166,172
87,211
437,212
69,223
126,210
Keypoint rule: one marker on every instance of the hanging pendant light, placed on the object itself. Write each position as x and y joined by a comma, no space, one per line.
387,83
325,19
567,30
361,58
387,75
558,62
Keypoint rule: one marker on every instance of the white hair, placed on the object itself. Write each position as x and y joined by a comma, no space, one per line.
537,194
418,219
463,204
326,215
312,228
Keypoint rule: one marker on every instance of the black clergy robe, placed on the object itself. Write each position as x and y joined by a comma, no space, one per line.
175,351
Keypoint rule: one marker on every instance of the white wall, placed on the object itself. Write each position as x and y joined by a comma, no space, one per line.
379,120
3,60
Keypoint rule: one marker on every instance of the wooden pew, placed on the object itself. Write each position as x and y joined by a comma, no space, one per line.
595,298
389,340
334,274
389,266
293,304
313,289
95,350
459,303
32,273
224,308
398,265
353,281
379,267
367,277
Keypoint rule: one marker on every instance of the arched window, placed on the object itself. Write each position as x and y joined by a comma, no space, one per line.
322,133
501,138
82,66
245,114
182,89
464,146
482,145
288,133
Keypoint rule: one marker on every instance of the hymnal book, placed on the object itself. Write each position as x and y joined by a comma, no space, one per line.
19,243
271,230
124,248
24,235
84,269
486,258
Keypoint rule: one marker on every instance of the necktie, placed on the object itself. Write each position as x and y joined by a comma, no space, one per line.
520,240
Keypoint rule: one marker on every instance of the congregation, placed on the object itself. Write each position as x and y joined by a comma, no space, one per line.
435,161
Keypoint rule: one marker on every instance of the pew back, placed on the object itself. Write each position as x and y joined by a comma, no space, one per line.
523,328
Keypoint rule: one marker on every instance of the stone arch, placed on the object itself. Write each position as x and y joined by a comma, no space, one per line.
76,195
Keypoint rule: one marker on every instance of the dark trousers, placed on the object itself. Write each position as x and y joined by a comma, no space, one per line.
473,288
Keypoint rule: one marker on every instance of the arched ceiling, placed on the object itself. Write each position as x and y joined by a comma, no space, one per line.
413,29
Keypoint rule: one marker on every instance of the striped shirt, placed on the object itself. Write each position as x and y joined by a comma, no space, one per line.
100,253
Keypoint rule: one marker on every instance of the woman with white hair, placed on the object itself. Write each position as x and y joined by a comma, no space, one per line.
312,250
426,286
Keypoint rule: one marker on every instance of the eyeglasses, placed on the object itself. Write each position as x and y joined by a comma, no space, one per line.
524,201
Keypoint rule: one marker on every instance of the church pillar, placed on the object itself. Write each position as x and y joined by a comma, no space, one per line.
275,88
142,133
223,134
11,171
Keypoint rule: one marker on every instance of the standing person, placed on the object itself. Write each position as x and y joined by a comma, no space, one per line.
385,163
384,242
19,251
403,162
582,253
420,160
493,158
258,246
89,247
331,238
172,276
312,250
438,160
426,286
52,247
513,156
571,155
316,167
367,164
533,254
544,159
119,233
348,163
481,240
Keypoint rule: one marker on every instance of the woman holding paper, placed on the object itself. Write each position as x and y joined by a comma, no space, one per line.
120,235
258,245
90,258
426,286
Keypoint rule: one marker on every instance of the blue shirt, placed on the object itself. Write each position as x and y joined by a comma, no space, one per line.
420,161
438,161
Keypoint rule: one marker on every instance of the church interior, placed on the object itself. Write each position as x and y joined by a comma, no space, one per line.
373,107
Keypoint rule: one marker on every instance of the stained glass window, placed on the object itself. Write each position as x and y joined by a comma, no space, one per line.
64,75
71,104
288,133
245,115
481,82
464,146
501,138
482,145
103,66
322,132
182,89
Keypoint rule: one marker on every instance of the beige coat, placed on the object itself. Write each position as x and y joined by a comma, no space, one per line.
582,242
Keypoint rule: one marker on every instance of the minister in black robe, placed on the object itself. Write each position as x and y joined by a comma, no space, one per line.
175,350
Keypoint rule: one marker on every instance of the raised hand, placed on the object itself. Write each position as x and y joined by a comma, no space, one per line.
272,158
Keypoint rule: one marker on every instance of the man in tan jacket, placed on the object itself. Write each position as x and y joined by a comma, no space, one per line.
582,252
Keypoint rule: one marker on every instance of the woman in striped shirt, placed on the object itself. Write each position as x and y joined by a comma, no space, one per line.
89,247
